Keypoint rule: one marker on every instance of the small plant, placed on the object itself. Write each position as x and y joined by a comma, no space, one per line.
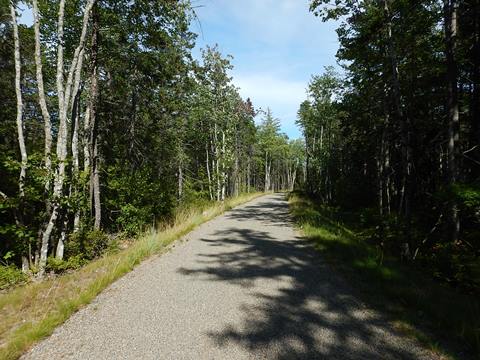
10,276
88,245
59,266
132,219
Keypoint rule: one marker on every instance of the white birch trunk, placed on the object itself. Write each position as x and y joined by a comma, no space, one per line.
19,119
267,184
180,181
208,173
86,139
18,92
75,135
224,175
64,100
41,97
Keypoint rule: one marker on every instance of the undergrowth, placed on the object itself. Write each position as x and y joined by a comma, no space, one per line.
31,312
412,299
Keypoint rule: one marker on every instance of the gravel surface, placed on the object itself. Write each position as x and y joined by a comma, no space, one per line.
242,286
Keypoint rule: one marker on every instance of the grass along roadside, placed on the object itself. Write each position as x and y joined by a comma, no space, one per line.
31,312
412,300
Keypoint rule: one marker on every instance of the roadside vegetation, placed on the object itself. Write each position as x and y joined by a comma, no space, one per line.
108,123
31,312
433,312
393,158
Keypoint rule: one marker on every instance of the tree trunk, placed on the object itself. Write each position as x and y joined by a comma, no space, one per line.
41,99
94,136
475,118
450,9
75,157
217,160
208,172
64,99
267,177
86,140
18,92
21,138
405,198
74,143
224,175
180,181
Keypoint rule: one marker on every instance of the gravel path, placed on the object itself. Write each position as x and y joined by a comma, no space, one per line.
244,286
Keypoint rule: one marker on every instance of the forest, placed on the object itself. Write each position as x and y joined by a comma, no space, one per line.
392,141
111,125
108,125
397,134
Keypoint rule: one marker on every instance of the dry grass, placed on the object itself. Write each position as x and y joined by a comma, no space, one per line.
31,312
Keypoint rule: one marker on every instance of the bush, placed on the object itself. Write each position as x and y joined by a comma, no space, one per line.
87,245
59,265
132,219
11,275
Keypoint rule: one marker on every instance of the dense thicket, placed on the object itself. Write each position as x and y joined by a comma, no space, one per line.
398,134
108,123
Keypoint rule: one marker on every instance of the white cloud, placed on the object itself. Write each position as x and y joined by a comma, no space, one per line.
276,44
269,90
272,22
281,95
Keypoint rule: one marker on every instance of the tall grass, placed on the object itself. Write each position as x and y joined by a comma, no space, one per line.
413,300
31,312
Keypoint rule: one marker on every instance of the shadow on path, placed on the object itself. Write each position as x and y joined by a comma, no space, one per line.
307,312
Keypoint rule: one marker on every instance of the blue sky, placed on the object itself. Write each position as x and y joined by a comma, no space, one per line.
276,44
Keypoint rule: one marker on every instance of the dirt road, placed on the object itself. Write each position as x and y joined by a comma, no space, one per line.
242,286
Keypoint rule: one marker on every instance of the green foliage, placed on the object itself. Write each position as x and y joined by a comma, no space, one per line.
10,275
87,245
132,220
136,200
402,290
469,195
59,266
169,131
376,138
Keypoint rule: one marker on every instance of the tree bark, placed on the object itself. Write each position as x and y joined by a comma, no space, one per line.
18,92
224,175
208,172
475,118
19,120
86,140
450,10
267,174
405,193
41,99
94,138
180,181
64,99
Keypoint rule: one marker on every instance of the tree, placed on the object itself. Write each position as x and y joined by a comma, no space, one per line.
404,140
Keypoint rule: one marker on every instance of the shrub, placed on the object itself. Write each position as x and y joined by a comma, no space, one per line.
59,265
87,244
11,275
132,219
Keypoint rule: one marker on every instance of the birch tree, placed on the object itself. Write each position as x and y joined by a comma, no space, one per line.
41,96
19,120
65,97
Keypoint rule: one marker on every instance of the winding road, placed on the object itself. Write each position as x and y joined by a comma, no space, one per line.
242,286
